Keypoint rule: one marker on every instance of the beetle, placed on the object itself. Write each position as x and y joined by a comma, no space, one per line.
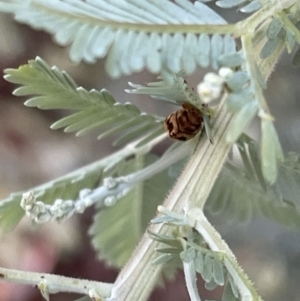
185,123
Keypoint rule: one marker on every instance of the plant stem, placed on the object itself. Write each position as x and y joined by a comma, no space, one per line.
139,276
55,283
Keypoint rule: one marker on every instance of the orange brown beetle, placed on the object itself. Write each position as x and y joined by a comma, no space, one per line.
185,123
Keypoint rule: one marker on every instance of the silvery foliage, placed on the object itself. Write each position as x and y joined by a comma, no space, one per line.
173,39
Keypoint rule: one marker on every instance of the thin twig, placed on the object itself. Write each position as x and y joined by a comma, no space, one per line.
51,284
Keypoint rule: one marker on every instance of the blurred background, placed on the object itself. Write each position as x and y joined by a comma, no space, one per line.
31,154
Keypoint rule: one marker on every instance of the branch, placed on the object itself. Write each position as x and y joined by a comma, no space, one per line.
139,276
51,284
77,183
111,190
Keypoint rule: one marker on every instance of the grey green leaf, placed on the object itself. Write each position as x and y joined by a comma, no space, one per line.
207,273
199,262
218,272
121,30
241,120
274,28
216,50
251,7
269,47
237,81
271,151
289,41
96,109
236,100
229,3
231,60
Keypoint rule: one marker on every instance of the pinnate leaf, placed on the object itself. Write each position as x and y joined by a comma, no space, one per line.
55,89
